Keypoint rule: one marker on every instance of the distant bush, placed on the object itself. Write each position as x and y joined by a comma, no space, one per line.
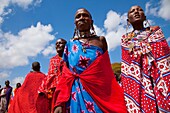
116,67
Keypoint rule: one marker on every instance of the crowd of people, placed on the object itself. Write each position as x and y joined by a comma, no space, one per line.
80,78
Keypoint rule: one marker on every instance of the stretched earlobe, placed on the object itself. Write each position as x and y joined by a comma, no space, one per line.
145,17
127,26
128,23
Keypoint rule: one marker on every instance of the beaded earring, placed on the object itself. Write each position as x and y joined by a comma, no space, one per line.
146,22
75,34
92,30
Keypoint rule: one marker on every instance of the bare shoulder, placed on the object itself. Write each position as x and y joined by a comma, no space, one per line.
103,40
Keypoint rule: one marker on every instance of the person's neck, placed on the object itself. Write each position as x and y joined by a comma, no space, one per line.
60,54
138,26
85,34
7,86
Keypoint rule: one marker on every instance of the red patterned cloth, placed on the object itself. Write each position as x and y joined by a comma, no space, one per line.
146,71
51,79
99,81
27,99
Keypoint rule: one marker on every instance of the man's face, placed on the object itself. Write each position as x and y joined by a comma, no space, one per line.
7,83
60,44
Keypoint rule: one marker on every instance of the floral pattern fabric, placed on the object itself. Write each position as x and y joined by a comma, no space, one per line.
79,56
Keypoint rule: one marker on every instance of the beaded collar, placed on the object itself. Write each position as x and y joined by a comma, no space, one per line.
136,40
138,34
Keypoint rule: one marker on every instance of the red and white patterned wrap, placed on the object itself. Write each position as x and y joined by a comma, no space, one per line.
146,72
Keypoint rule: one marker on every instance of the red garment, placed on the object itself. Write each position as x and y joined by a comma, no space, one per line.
15,91
99,81
51,79
27,100
12,96
146,72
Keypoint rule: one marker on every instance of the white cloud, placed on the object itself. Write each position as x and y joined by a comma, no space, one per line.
164,11
49,50
150,9
1,20
112,21
29,42
25,3
168,39
3,5
114,28
4,74
16,49
160,9
99,31
5,10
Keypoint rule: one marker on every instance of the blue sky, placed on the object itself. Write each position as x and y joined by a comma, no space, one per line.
29,29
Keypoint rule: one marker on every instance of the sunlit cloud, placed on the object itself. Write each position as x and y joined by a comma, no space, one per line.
16,49
114,28
3,11
4,74
26,3
49,50
160,9
16,80
28,42
112,21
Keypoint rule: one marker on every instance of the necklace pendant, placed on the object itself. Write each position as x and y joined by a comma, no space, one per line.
84,49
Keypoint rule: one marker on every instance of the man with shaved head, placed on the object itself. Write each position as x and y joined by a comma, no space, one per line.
27,99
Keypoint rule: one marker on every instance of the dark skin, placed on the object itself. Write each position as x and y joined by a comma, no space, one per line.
7,85
18,85
60,44
84,22
136,17
36,66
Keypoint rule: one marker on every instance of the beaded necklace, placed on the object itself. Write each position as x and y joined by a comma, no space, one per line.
137,41
86,43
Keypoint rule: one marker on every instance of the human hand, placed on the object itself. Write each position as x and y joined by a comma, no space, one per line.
58,109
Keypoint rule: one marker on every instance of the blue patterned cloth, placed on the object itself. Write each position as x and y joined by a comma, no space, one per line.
79,56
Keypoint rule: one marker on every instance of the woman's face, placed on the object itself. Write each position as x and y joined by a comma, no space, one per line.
136,14
83,20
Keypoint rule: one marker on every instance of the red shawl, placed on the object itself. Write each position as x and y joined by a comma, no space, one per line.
99,81
27,99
